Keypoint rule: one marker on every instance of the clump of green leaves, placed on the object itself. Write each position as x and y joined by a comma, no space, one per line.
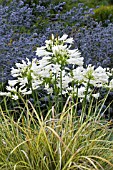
94,3
104,13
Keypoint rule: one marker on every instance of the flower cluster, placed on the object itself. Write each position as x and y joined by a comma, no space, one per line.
52,73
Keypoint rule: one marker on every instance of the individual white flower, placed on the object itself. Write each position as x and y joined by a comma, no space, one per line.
14,97
5,94
75,57
45,72
22,68
49,89
69,88
89,73
15,72
28,61
77,61
65,81
24,64
34,69
34,64
78,74
44,61
23,90
36,84
27,92
23,81
12,82
41,51
59,50
34,76
64,91
81,91
11,89
69,40
96,95
55,68
64,37
100,77
101,74
49,44
74,53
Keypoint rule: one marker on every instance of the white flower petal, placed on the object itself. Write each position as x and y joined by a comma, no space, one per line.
12,82
96,96
64,37
5,94
14,97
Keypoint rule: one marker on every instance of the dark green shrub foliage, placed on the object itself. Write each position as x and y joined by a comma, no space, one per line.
104,13
111,1
38,2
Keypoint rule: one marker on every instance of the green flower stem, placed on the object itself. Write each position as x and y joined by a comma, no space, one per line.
76,97
61,86
84,104
36,99
55,89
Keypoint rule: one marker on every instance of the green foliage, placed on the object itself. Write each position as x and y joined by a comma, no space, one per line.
57,142
103,13
94,3
5,2
42,2
69,4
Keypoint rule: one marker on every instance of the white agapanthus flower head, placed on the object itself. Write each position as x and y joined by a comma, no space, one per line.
52,68
58,50
100,77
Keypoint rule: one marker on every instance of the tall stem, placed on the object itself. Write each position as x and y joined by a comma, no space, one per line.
55,89
84,104
61,87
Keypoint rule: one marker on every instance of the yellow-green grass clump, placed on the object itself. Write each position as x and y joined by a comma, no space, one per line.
59,141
